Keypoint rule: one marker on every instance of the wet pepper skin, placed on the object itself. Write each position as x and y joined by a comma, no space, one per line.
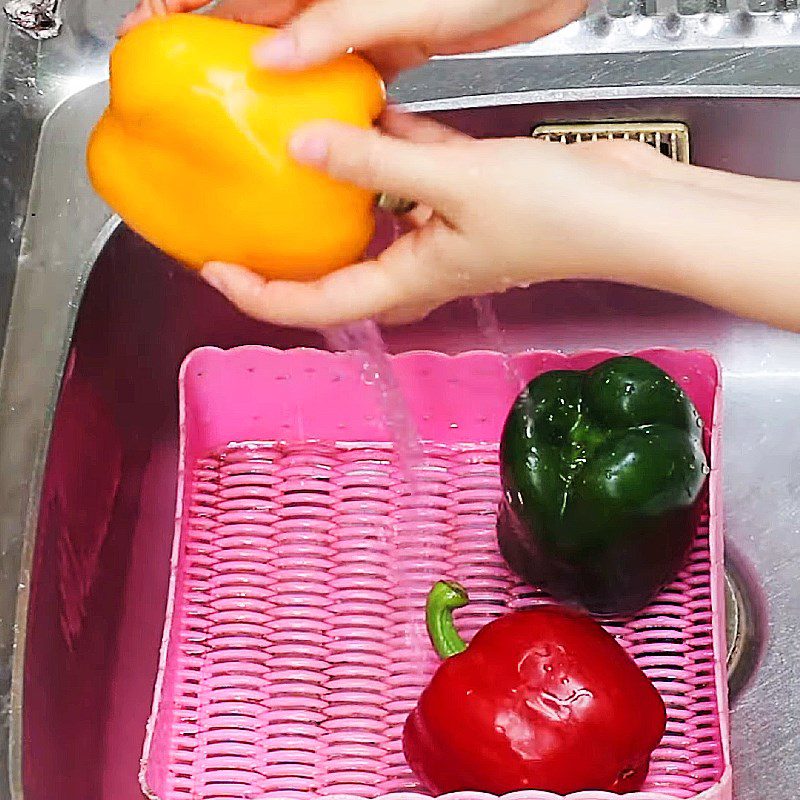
192,151
602,472
541,699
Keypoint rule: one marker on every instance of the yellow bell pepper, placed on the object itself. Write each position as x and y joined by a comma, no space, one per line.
192,151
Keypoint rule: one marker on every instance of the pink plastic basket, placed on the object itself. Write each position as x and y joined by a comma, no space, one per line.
294,643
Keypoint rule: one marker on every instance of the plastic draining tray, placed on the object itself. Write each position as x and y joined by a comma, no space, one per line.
294,642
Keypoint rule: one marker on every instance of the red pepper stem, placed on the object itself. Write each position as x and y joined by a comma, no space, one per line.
443,599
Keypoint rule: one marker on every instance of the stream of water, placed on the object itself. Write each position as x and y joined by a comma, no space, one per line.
489,329
365,341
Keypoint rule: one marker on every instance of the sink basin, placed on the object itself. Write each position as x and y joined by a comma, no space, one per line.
99,322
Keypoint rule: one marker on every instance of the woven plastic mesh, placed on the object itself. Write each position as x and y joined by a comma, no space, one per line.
295,645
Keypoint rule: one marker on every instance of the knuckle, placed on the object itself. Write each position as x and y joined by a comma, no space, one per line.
435,23
339,156
356,156
325,24
316,32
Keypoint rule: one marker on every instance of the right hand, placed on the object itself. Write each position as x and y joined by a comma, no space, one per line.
393,34
499,213
493,214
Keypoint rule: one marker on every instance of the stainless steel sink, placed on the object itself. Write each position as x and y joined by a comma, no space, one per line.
95,324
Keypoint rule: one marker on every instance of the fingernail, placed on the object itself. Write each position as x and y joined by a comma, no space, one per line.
309,147
212,279
278,51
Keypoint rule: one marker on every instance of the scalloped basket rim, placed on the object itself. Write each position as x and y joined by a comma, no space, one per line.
222,352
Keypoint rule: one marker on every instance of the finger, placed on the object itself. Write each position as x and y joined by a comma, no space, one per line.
150,8
546,19
350,294
392,59
418,128
367,158
258,12
423,130
328,28
405,315
399,277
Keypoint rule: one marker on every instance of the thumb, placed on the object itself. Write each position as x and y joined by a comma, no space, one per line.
327,28
423,171
405,276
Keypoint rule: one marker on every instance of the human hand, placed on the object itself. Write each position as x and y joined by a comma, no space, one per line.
393,35
494,214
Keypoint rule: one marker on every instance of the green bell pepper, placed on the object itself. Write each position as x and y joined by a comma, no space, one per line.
602,474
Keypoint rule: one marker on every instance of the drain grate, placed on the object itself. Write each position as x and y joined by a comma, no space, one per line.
745,625
669,138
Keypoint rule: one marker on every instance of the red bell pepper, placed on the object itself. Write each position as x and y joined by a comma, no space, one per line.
541,699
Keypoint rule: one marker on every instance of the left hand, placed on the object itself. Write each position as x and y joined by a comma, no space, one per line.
393,34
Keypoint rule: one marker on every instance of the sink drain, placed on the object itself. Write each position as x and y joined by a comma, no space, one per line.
744,627
669,138
732,601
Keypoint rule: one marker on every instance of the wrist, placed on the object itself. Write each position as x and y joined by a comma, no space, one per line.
726,240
